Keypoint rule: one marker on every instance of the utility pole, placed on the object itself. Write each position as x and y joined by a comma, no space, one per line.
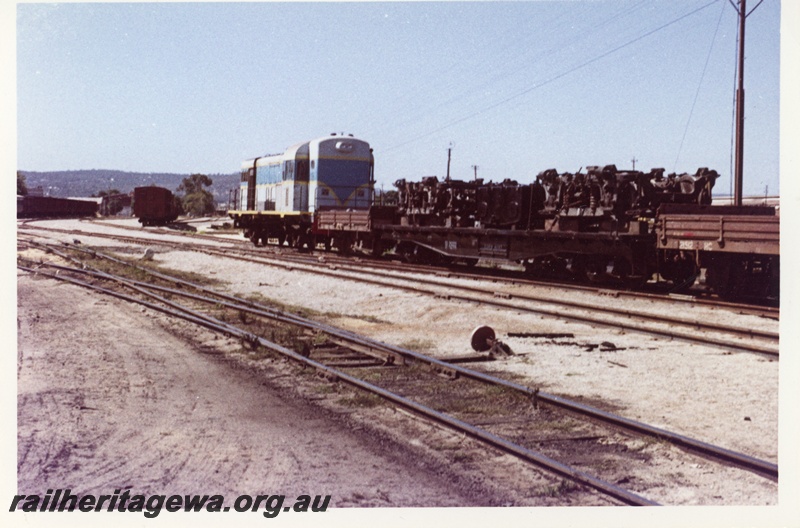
738,179
475,170
634,160
739,169
449,150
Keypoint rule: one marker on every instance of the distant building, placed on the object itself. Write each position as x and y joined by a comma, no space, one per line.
116,204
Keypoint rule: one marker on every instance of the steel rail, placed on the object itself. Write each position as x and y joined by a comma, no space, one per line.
574,304
508,277
498,442
669,333
763,311
762,467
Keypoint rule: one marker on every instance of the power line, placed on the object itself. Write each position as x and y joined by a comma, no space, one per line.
699,85
516,63
554,78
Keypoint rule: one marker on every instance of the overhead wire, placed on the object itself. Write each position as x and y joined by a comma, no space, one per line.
447,80
567,41
515,63
699,86
553,78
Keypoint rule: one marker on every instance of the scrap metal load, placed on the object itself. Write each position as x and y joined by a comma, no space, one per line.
601,199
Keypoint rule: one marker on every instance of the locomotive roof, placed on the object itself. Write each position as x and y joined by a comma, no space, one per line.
298,147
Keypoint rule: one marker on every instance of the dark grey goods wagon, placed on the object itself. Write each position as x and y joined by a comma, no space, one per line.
50,207
155,205
739,247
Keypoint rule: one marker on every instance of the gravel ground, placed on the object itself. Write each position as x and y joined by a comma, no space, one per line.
729,399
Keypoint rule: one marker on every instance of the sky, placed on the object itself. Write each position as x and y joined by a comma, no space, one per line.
511,88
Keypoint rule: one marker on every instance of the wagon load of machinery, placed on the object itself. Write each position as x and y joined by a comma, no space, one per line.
600,199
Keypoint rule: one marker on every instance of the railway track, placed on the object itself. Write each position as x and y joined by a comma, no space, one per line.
511,277
506,276
402,388
726,337
676,328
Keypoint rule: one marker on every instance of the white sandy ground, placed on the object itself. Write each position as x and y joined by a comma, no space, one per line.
729,399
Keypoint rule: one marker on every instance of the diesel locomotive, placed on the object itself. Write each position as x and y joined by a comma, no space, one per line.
279,194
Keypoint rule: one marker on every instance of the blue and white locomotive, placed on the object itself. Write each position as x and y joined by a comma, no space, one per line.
279,193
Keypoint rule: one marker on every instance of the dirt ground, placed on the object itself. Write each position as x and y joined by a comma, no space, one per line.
110,399
121,391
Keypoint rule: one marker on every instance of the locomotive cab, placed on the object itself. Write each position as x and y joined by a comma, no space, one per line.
341,173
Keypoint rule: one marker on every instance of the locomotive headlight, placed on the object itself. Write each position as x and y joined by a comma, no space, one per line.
344,146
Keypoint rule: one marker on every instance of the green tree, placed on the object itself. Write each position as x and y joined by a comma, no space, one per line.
197,201
22,186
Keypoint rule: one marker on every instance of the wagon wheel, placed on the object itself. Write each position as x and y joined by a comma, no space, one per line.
545,267
343,245
482,338
594,268
724,276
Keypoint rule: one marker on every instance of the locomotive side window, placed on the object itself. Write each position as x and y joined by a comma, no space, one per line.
302,170
288,170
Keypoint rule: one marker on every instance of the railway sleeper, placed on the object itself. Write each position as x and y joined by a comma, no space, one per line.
387,358
444,372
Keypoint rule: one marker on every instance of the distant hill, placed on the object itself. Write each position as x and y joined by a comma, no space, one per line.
90,182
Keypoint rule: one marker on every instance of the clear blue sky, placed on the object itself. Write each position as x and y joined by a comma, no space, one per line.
516,87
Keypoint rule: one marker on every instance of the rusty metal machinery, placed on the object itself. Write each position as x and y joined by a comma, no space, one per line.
596,224
600,199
